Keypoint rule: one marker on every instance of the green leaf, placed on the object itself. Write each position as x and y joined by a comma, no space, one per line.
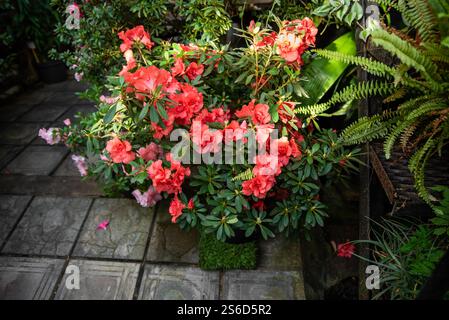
110,114
154,117
321,73
144,112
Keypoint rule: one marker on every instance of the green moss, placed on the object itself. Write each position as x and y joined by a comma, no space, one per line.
218,255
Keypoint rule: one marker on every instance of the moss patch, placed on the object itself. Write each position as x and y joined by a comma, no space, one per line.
217,255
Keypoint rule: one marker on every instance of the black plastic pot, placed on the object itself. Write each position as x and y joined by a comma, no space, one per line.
52,71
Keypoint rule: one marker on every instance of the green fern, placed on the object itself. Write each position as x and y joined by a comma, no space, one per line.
353,92
372,66
245,175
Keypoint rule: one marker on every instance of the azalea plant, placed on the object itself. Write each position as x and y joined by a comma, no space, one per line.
214,131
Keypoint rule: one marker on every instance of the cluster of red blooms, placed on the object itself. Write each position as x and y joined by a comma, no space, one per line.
183,105
292,40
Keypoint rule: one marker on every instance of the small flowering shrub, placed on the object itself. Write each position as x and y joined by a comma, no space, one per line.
213,130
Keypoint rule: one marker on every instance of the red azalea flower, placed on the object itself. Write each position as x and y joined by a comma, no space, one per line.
178,68
235,131
257,112
186,104
168,180
345,250
296,149
284,150
206,140
259,205
136,34
194,70
267,165
267,40
120,151
191,204
175,209
258,186
216,115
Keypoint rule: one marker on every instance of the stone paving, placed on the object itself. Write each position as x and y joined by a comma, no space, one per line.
49,219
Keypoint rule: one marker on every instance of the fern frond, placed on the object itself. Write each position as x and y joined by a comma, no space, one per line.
388,3
417,165
357,91
408,54
394,135
400,93
369,65
426,108
406,135
245,175
367,129
421,17
436,52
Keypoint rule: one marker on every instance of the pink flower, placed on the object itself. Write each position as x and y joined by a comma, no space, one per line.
194,70
345,250
103,225
78,76
81,164
120,151
175,208
148,198
150,152
109,100
67,122
50,135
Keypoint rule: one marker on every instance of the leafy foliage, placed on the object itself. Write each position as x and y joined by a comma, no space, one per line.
421,79
406,254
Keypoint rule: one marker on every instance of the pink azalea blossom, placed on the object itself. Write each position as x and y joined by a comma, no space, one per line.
147,199
67,122
81,164
108,100
150,152
51,135
79,76
103,225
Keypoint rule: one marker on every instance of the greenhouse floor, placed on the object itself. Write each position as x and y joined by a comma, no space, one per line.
49,219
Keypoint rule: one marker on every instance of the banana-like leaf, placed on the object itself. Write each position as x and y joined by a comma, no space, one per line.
322,73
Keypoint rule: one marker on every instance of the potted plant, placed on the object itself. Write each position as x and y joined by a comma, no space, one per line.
242,160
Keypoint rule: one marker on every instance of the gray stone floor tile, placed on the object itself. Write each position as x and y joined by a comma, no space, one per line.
7,153
44,112
126,235
12,111
100,280
37,160
67,168
162,282
280,253
49,227
169,243
32,98
28,278
263,285
11,207
19,133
